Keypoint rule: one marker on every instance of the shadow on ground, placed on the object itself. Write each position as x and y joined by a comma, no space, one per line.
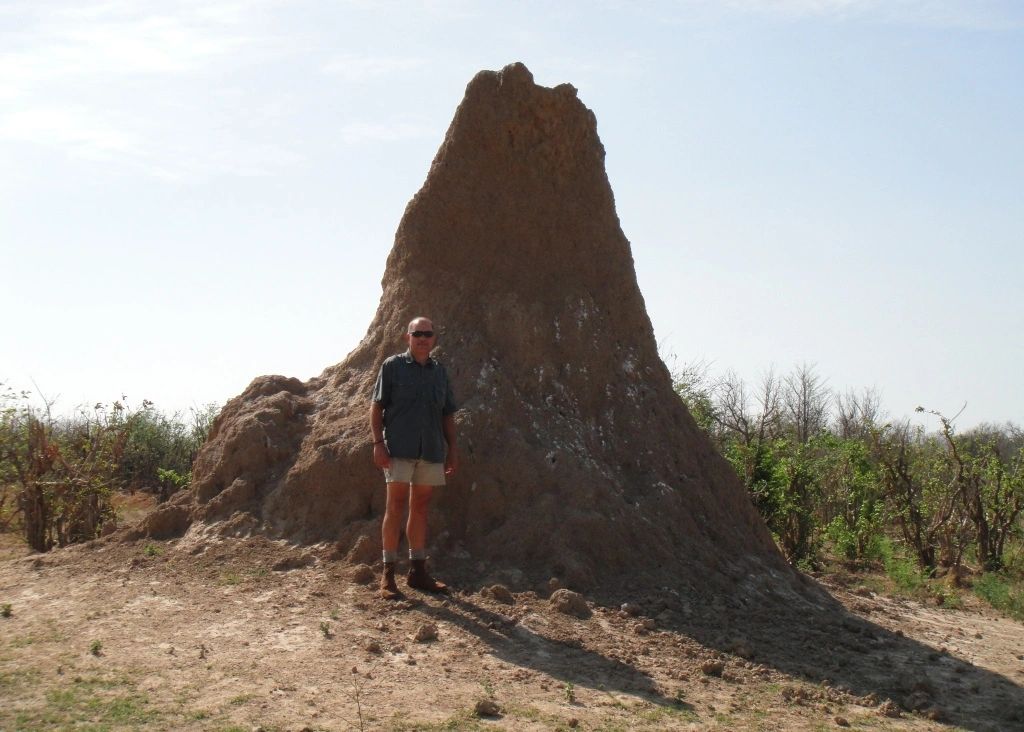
819,642
564,658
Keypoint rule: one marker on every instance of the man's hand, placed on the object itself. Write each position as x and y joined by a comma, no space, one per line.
451,462
381,457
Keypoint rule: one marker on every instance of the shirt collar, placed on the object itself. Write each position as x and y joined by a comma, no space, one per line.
409,359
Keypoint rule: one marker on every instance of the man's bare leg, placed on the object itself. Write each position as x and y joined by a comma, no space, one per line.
419,504
391,533
416,532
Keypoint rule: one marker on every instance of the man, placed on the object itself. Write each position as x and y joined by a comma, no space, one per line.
412,420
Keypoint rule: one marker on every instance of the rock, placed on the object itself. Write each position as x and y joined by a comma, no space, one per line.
501,594
573,723
372,646
888,708
842,721
487,708
366,550
712,667
648,624
296,561
362,574
426,632
631,608
570,603
740,647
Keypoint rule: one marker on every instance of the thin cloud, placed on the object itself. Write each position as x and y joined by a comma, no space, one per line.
101,82
351,67
978,15
357,132
111,42
79,131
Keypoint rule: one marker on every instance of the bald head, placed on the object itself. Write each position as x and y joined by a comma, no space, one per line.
421,338
420,323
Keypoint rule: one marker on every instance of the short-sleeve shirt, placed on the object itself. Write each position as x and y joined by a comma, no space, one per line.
414,398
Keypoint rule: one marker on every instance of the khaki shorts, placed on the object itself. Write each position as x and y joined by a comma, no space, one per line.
417,472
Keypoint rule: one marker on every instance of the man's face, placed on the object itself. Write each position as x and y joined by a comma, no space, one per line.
420,345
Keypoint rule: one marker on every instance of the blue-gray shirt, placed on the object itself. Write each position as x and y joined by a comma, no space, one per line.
414,399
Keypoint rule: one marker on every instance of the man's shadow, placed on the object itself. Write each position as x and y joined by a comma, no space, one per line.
848,657
559,655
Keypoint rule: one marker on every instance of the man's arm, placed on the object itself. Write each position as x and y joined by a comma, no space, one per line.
451,461
381,458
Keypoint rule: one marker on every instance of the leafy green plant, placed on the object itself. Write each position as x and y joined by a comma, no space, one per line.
170,482
570,692
6,610
96,648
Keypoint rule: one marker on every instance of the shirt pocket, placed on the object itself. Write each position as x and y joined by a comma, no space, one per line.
406,392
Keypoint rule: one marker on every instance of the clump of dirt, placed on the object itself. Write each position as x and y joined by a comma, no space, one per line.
578,459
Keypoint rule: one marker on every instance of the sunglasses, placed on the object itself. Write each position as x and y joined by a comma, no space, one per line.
422,334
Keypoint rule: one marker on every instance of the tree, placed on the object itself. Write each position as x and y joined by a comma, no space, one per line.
805,401
991,492
857,413
921,502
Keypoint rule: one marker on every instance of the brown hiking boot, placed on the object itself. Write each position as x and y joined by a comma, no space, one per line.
388,587
420,580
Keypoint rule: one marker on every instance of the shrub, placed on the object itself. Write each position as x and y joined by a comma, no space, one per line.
65,469
1001,593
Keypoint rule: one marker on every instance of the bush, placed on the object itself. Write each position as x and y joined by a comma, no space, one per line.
1002,593
903,571
64,470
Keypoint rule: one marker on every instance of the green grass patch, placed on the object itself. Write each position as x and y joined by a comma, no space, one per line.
901,570
22,641
463,720
94,704
51,634
650,712
1002,593
18,677
230,578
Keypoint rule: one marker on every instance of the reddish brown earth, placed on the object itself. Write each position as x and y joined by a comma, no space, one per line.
245,634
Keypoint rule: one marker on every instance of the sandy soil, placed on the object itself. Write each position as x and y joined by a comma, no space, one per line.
214,634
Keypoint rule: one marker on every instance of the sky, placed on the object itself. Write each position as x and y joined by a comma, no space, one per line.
193,194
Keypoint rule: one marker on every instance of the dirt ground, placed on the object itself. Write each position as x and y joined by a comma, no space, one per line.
205,633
